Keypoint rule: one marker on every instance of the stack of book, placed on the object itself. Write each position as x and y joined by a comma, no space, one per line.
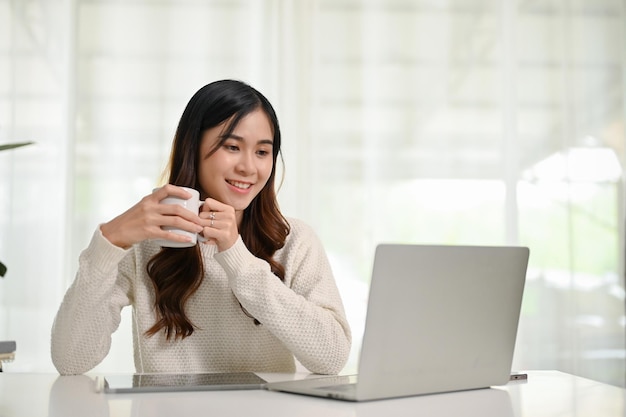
7,352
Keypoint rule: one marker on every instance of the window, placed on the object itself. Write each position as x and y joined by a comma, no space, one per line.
407,121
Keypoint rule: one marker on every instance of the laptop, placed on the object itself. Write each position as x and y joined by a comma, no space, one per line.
439,319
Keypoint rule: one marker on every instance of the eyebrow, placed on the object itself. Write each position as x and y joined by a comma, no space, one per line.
241,139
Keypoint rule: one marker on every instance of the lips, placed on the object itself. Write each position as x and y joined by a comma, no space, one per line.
239,184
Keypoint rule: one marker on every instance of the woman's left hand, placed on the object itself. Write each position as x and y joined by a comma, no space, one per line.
220,224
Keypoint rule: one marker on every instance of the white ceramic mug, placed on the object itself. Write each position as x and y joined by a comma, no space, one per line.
192,204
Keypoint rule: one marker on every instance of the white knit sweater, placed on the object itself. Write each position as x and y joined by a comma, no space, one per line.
302,316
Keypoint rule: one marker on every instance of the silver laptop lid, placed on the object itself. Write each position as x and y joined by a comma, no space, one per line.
440,318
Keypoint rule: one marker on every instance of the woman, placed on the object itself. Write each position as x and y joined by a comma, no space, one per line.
258,294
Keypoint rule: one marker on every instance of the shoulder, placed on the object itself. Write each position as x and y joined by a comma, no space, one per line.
302,239
299,231
303,256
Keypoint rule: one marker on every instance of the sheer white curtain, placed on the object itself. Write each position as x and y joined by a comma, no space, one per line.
473,122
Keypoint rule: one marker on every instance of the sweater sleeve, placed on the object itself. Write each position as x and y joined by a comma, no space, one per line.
305,312
91,309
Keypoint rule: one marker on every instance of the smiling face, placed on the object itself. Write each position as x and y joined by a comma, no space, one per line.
239,168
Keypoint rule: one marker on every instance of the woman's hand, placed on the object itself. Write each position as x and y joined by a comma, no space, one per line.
145,219
220,224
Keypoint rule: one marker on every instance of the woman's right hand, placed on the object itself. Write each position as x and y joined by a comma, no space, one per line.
145,219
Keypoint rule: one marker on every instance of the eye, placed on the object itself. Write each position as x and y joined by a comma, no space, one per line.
230,147
262,152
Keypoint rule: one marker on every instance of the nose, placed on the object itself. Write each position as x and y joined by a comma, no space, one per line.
245,164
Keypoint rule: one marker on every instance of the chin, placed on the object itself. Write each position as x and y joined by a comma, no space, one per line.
239,205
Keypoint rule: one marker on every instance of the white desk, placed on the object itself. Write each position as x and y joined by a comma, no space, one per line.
546,393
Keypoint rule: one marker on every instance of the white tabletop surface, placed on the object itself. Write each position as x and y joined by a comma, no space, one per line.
546,393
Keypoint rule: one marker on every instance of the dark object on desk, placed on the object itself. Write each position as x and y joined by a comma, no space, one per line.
7,352
7,347
518,377
182,382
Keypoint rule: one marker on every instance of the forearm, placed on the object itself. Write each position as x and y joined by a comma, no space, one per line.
90,311
80,339
318,335
310,322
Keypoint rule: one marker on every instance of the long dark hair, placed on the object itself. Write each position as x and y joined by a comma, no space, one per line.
176,274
